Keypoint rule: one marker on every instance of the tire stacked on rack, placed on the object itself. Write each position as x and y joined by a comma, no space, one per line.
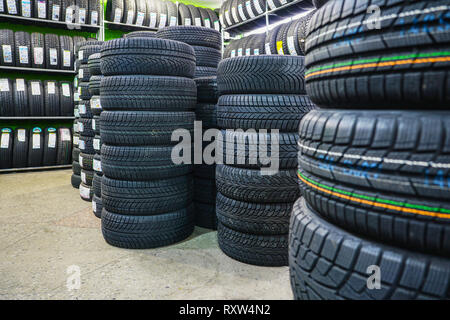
205,174
256,191
206,42
374,170
96,109
85,122
147,92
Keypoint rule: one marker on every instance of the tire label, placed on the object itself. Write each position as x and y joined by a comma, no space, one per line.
36,141
97,165
35,88
241,12
7,53
4,85
234,14
153,16
217,25
85,192
130,17
96,144
53,56
239,52
23,54
256,52
140,18
80,54
76,96
81,144
82,16
83,176
2,8
80,127
291,46
93,124
250,12
21,135
38,55
258,7
271,4
66,89
267,47
280,47
162,20
20,84
187,21
248,52
94,206
69,15
233,53
80,159
94,18
42,9
4,144
51,88
26,8
55,12
198,22
95,103
207,23
117,15
82,109
51,140
80,73
173,21
11,4
67,54
76,113
227,17
65,135
76,140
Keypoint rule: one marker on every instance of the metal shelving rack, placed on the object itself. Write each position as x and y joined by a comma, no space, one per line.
127,27
99,29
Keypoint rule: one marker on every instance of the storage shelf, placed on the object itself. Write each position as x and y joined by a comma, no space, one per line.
49,23
127,27
37,70
38,118
275,15
64,166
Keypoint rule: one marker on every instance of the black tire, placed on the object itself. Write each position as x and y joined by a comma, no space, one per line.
282,48
95,12
66,98
6,98
194,36
85,127
35,147
262,74
97,185
251,186
141,12
36,98
85,160
391,159
195,15
253,218
262,111
37,54
147,197
64,155
68,11
22,44
207,57
319,3
6,149
20,148
89,48
94,85
129,12
75,151
83,73
207,114
7,55
115,9
21,107
97,164
95,105
205,17
271,41
382,69
215,23
205,190
66,52
152,9
290,41
86,177
83,90
201,72
315,243
172,13
94,64
97,206
148,93
143,127
86,144
54,10
302,31
261,250
141,34
144,232
243,149
97,143
86,192
75,180
147,56
84,109
76,169
185,17
162,14
82,11
52,51
207,89
234,12
205,215
51,98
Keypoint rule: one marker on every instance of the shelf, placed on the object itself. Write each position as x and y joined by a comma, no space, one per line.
275,15
127,27
37,70
38,118
49,23
64,166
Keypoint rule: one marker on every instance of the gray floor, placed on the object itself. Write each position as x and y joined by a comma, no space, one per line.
45,228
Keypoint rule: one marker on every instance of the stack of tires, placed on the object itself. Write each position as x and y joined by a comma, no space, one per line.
206,42
147,92
96,109
190,15
86,123
258,94
374,171
205,172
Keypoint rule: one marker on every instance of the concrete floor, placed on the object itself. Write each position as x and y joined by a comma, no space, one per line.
45,228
